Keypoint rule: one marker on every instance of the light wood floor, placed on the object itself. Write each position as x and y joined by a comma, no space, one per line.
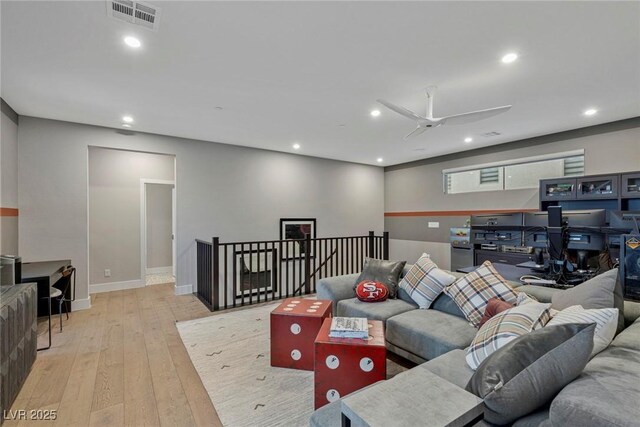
121,363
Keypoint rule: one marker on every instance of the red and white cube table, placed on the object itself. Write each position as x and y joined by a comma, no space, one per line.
344,365
294,326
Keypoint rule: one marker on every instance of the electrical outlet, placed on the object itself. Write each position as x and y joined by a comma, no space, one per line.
434,224
107,272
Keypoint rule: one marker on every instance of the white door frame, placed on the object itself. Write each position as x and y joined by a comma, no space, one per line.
143,223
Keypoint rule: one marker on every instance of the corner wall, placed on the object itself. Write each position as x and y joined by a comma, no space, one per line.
8,180
414,193
236,193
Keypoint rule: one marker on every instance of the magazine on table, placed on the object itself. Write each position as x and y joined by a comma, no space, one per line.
349,327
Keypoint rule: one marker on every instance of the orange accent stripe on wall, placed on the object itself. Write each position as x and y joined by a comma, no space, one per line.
8,212
456,213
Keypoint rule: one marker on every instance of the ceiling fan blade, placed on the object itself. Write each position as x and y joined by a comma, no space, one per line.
460,119
401,110
415,132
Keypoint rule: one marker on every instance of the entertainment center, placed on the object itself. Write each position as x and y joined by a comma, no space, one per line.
579,228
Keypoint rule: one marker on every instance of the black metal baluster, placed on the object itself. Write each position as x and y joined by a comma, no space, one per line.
226,283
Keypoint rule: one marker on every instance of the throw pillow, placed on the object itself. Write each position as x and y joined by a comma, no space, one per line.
528,372
378,270
503,328
425,281
472,291
525,299
494,306
606,320
370,291
602,291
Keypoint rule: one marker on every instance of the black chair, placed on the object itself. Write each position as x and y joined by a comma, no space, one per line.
62,289
58,291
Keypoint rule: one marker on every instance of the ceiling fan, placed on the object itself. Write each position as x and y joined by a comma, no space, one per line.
428,121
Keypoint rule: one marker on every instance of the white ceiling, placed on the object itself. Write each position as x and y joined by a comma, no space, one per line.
286,72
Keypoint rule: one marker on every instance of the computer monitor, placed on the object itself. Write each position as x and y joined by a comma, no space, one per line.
621,222
535,233
497,229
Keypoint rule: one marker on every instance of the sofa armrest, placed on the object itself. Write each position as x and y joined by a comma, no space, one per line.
337,288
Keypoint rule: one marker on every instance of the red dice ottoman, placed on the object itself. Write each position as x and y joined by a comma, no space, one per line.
294,326
344,365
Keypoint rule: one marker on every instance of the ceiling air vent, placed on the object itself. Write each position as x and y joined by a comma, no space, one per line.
134,12
491,134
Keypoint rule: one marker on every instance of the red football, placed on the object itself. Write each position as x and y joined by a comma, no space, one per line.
370,291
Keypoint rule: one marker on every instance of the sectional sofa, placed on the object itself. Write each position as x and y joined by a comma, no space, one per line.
606,394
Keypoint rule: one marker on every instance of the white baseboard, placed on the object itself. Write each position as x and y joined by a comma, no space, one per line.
160,270
184,289
116,286
81,304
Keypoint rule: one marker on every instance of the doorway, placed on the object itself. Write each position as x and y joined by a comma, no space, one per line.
158,205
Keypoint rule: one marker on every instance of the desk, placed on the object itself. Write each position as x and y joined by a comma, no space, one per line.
508,271
45,274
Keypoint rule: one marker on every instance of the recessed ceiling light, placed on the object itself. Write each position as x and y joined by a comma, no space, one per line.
132,42
296,146
468,139
509,57
126,125
590,112
375,113
379,159
127,119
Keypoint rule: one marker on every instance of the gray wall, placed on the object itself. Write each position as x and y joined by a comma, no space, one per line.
114,210
417,186
235,193
158,207
8,180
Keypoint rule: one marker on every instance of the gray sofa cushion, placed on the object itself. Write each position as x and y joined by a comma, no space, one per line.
329,415
630,338
539,418
605,394
336,288
451,367
525,374
429,333
379,270
541,293
445,304
373,310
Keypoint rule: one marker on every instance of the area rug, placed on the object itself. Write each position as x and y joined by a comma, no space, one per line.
230,352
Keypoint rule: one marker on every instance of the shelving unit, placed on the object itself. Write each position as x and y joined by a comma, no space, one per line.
609,192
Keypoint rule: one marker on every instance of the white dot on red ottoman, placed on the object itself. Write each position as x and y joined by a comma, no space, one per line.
332,361
295,329
333,395
366,364
295,354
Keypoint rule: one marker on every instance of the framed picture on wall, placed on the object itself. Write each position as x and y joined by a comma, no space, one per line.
297,230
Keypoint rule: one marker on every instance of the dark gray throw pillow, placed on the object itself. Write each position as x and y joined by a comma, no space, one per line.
528,372
386,272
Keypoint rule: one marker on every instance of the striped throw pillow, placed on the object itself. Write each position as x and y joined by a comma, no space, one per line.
606,320
472,292
425,281
503,328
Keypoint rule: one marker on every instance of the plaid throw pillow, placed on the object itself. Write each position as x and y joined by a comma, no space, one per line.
425,281
472,291
504,327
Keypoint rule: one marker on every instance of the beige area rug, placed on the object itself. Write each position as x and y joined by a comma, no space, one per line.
230,352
